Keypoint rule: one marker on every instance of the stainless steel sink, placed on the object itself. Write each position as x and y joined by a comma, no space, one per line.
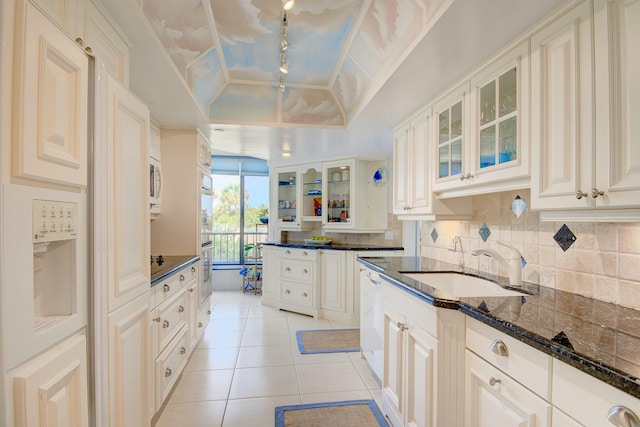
453,286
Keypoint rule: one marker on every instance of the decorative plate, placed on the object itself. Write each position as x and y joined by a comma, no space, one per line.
380,177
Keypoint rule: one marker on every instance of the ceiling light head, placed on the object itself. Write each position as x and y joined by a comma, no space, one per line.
284,44
282,87
284,66
287,4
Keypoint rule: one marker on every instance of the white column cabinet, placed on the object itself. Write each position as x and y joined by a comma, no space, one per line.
333,281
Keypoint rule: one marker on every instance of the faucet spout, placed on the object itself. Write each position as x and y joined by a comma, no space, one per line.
513,264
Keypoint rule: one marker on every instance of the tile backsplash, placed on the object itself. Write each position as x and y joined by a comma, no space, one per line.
597,260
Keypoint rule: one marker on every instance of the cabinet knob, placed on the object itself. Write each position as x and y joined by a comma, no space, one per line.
209,311
166,288
623,417
181,278
193,269
180,309
287,291
304,294
156,319
287,269
168,372
192,289
183,350
305,253
199,324
402,326
165,324
499,348
595,193
79,41
288,252
305,271
493,381
580,194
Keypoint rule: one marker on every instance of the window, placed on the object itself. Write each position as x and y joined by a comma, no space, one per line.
236,218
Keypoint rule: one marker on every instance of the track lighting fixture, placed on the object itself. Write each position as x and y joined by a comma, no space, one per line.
287,4
284,66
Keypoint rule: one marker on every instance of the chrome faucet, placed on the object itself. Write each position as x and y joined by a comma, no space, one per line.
513,264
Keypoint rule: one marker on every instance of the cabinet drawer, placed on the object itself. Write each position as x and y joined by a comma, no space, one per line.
169,365
170,317
524,363
298,271
585,398
298,294
170,286
302,254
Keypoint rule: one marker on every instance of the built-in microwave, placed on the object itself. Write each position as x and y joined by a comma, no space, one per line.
155,186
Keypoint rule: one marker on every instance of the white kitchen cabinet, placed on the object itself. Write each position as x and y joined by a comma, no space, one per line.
51,389
68,14
193,304
585,164
333,281
311,175
412,174
155,171
129,364
495,399
291,279
560,419
354,195
51,102
422,380
481,129
587,399
127,192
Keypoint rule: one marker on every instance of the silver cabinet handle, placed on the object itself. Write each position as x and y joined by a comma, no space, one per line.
287,291
623,417
287,269
166,288
493,381
165,324
193,269
499,348
80,42
168,372
580,194
183,350
199,324
304,294
180,309
181,278
402,326
288,252
305,271
305,253
192,289
156,319
595,193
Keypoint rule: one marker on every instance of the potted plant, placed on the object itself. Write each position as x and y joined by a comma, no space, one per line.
252,250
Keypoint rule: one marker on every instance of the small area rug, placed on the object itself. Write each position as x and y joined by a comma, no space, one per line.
328,340
348,413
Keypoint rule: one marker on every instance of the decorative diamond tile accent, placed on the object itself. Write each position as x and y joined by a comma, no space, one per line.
434,234
564,237
518,206
524,261
484,232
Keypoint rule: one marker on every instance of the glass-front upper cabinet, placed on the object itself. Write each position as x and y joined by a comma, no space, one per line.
288,197
311,192
337,198
450,140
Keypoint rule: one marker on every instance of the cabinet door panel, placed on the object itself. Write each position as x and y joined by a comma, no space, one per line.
421,363
128,183
401,175
418,183
51,127
393,368
129,364
562,112
618,106
332,281
494,399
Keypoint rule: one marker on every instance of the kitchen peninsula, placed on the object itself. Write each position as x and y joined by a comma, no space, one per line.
578,353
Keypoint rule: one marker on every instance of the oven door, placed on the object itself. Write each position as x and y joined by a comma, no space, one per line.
206,271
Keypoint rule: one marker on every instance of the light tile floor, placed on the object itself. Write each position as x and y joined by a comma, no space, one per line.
248,362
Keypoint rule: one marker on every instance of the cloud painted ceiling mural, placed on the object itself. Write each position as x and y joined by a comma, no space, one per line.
340,53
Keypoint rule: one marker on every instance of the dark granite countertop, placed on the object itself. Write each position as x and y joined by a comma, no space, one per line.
336,246
599,338
169,265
